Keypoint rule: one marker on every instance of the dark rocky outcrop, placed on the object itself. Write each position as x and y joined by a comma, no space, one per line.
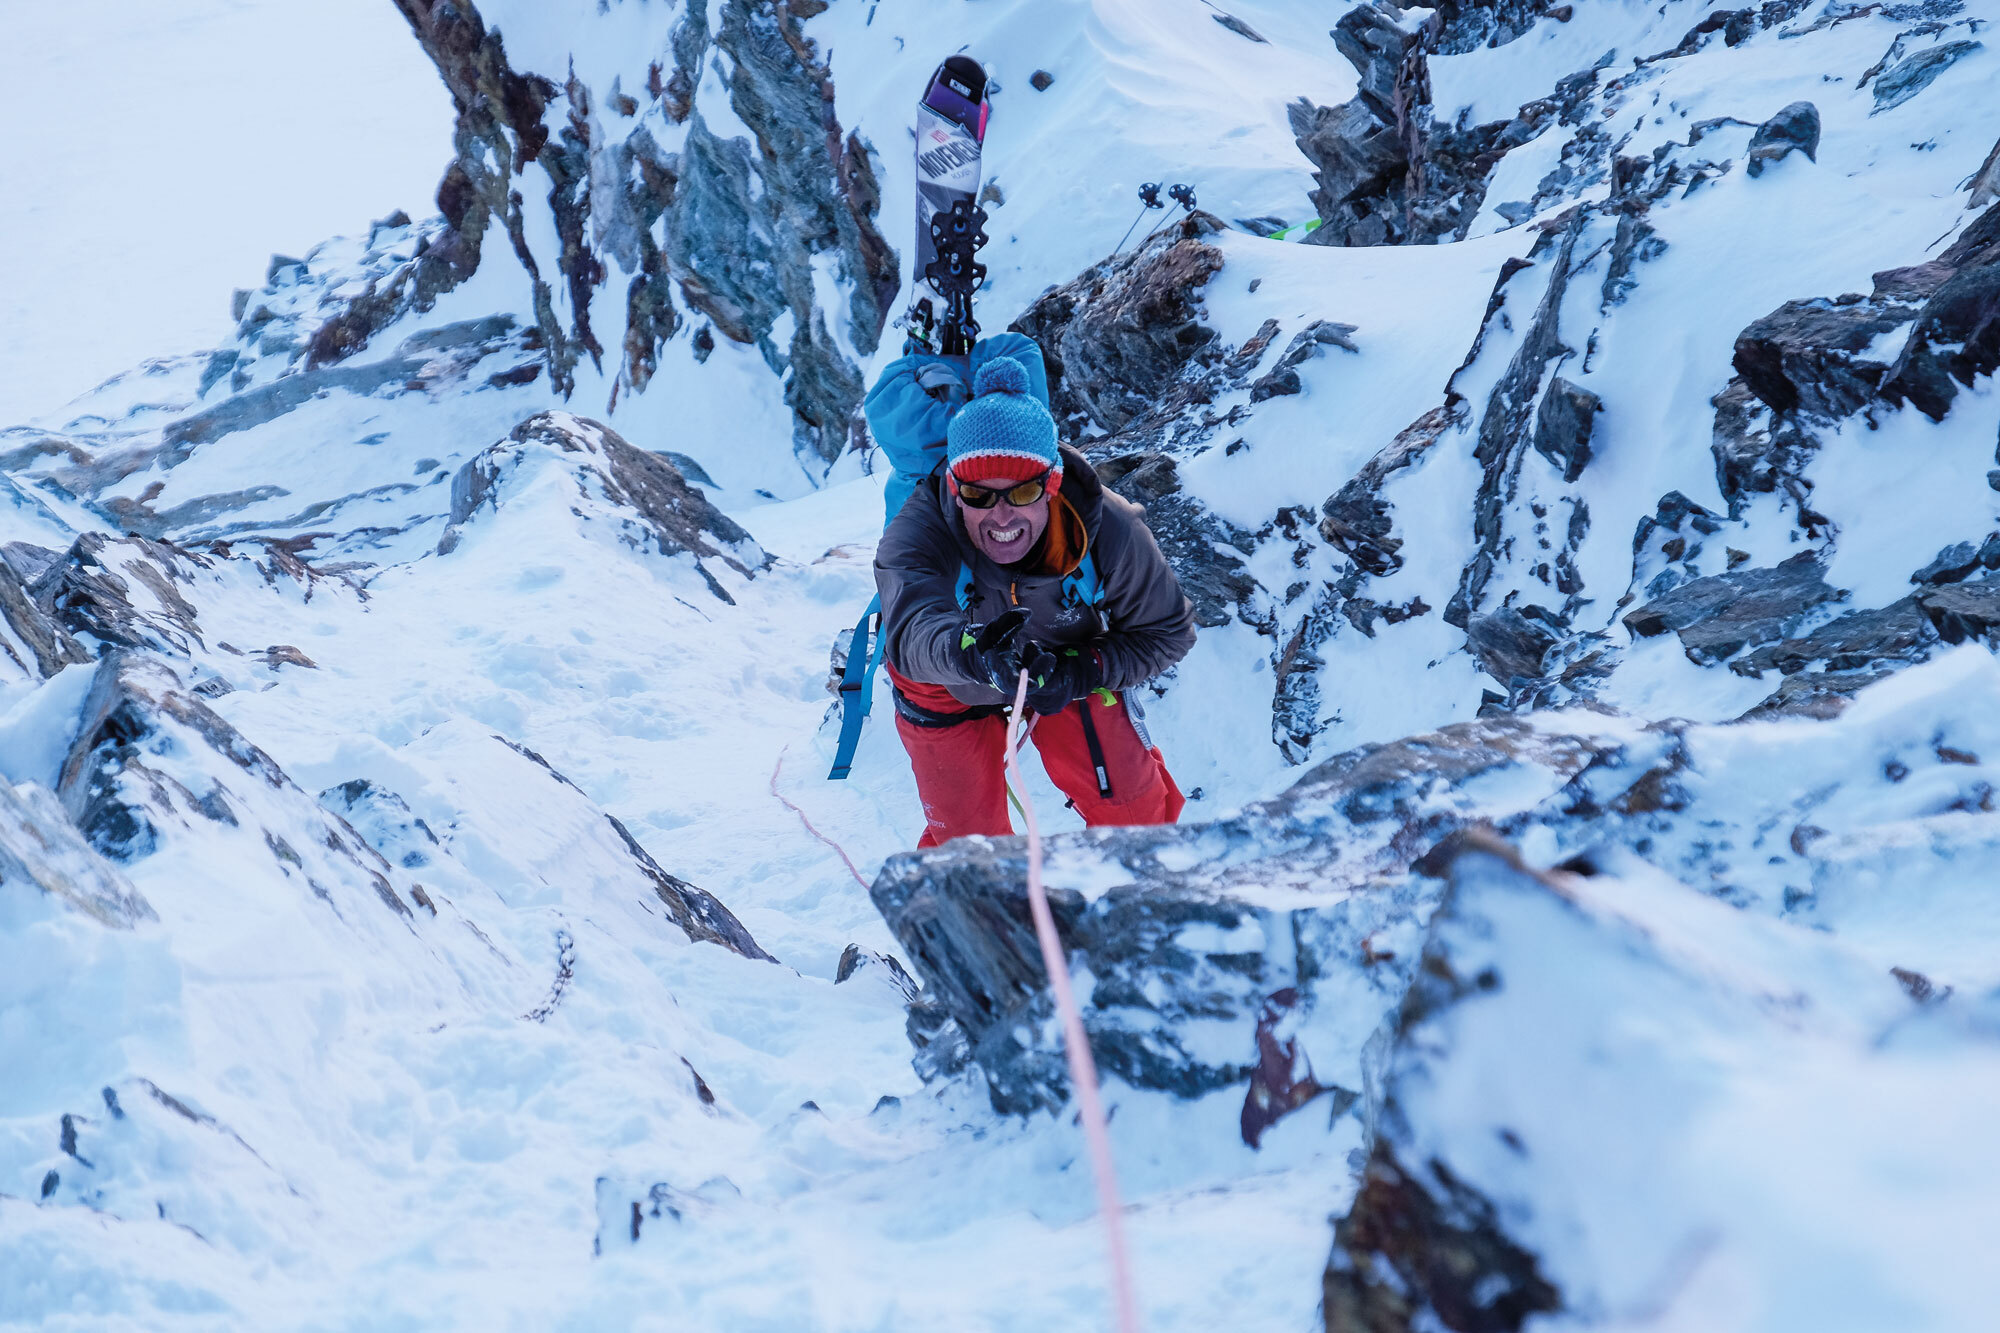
742,220
1719,616
1735,26
1985,183
1420,1249
695,910
1794,129
1388,172
1171,959
1283,378
1507,427
1956,338
124,592
1809,356
1813,694
1512,645
1467,25
1190,935
1758,453
1963,611
138,593
1816,362
1895,635
1815,359
856,961
1961,560
1195,541
1120,338
1521,583
1131,363
34,642
1563,425
1357,519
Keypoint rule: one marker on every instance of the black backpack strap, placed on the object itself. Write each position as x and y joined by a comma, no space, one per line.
919,716
1096,747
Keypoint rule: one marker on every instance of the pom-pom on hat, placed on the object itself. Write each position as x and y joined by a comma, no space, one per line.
1004,433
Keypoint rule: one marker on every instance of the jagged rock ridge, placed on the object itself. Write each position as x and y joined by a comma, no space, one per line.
741,220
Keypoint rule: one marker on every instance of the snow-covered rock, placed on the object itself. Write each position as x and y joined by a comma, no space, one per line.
647,499
40,846
1305,902
1617,1100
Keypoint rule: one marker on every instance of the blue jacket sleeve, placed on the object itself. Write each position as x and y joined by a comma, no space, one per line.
909,423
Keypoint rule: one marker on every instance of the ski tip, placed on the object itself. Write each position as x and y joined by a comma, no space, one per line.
967,72
957,91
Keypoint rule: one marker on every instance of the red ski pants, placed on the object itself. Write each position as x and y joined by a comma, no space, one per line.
961,776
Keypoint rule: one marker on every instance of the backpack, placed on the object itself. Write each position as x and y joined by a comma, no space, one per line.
907,418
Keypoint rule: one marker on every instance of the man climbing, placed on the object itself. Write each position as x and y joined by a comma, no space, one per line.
1012,554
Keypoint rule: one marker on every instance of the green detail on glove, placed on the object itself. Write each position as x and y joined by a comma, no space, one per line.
1106,695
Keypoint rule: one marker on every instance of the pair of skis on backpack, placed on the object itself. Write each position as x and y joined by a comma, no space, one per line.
951,228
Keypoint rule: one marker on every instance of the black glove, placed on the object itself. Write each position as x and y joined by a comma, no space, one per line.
996,650
1057,679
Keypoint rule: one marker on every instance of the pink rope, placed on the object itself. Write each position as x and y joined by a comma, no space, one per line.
1076,1044
778,768
1082,1069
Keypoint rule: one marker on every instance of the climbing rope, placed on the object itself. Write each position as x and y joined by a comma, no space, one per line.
1076,1045
1082,1069
778,768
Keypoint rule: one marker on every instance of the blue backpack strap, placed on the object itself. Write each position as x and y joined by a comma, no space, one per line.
1079,585
1082,584
857,688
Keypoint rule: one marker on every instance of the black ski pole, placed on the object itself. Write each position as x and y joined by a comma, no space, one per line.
1180,194
1149,198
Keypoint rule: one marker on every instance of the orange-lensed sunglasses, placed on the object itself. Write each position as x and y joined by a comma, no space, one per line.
1020,495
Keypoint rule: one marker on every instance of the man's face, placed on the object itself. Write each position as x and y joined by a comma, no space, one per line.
1005,534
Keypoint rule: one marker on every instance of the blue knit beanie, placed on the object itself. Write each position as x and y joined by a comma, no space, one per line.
1004,433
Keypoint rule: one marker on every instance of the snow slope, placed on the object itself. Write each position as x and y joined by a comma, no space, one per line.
435,720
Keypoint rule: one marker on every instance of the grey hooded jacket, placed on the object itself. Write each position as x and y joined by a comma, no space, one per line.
1142,626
